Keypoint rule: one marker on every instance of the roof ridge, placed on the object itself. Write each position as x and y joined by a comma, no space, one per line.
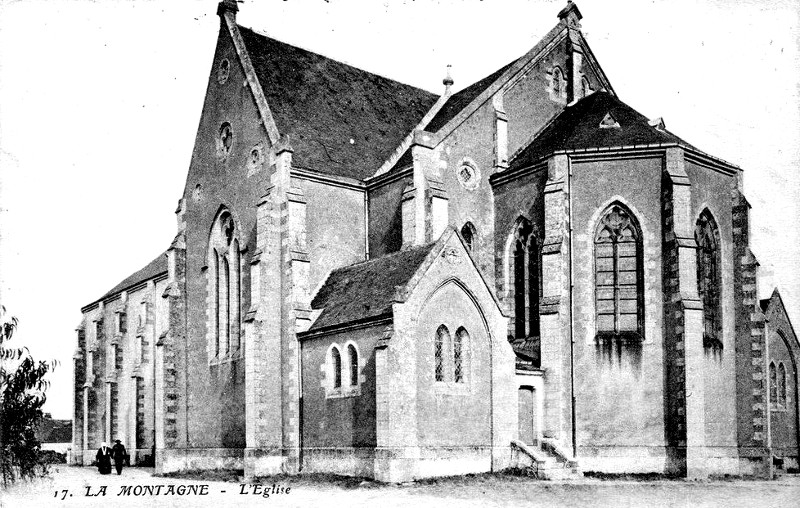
342,62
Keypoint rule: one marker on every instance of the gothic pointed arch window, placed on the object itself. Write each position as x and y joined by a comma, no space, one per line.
336,367
352,356
525,283
782,385
773,386
440,343
619,290
558,83
468,234
460,343
709,279
224,288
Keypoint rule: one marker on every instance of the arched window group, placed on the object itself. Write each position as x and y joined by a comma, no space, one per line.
525,281
777,385
709,279
619,289
343,371
225,287
450,355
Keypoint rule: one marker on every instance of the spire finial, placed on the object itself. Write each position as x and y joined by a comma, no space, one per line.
571,14
448,81
227,6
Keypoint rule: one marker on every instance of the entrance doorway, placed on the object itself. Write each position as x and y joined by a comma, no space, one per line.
527,415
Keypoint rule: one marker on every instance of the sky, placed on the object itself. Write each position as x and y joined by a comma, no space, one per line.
100,102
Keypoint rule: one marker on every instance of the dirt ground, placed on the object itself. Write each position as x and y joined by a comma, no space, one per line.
81,485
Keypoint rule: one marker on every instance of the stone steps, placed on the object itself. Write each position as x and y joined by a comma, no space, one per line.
546,462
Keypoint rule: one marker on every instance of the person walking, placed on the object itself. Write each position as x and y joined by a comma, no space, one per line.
103,459
119,454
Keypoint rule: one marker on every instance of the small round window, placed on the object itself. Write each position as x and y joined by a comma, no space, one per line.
223,71
468,175
225,140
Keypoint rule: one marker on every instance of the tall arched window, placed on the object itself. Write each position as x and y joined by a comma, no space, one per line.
781,385
773,385
619,290
468,233
224,287
526,281
459,343
442,338
353,359
557,82
336,367
709,280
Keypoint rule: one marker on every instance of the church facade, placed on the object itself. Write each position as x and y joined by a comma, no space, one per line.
370,279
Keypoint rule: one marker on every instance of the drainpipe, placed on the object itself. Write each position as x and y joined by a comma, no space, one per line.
571,315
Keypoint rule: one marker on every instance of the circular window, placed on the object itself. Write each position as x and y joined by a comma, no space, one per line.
223,71
225,140
468,175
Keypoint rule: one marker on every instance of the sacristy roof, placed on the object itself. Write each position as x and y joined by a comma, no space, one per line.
340,120
366,290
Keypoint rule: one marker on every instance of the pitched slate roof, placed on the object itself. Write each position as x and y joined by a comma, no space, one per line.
322,104
153,269
578,126
451,108
367,289
460,100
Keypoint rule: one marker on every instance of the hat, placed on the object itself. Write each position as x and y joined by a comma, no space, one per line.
117,441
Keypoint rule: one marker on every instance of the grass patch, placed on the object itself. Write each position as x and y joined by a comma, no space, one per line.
207,475
635,477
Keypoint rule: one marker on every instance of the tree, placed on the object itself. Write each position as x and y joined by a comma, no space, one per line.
22,394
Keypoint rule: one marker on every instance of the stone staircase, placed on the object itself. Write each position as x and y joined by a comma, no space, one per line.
547,461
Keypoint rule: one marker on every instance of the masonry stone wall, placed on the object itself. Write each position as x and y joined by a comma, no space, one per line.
472,142
343,418
784,412
711,190
530,103
751,349
211,394
385,216
334,229
619,394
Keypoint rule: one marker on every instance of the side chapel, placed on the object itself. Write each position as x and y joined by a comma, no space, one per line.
371,279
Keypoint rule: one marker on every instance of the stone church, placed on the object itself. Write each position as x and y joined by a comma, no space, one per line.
371,279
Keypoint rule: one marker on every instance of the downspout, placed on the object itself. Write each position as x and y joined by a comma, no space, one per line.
571,315
300,404
366,224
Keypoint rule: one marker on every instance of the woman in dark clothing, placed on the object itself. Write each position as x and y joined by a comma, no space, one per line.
104,459
118,453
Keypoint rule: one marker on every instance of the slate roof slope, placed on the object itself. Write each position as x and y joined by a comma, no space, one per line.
452,107
578,126
461,100
367,289
152,269
322,104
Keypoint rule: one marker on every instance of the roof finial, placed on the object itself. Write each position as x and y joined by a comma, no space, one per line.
447,81
571,14
227,6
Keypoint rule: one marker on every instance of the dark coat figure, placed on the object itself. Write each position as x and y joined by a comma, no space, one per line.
119,454
104,459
